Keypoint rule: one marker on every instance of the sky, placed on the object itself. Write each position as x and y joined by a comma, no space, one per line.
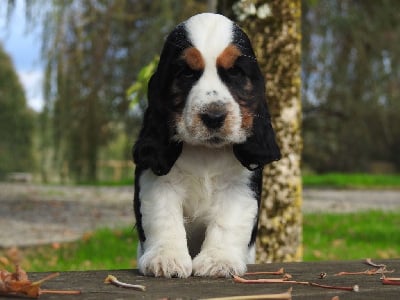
24,50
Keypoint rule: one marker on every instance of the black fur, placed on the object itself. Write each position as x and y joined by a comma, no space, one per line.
136,206
155,148
256,187
260,148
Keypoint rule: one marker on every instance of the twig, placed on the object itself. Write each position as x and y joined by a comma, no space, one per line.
390,280
238,279
60,292
380,270
369,262
281,271
282,296
48,277
354,288
113,280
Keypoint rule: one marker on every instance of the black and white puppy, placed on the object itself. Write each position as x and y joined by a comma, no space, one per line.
205,138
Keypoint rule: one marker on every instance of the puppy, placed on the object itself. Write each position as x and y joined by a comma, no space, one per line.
205,139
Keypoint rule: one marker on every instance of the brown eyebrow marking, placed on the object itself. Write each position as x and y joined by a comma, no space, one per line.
193,58
228,57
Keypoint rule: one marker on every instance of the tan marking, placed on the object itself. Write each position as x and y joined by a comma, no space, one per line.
247,118
193,58
228,57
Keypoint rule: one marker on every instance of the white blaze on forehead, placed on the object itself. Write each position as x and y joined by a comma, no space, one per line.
210,33
211,36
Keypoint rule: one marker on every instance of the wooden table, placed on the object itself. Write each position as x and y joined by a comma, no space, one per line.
91,285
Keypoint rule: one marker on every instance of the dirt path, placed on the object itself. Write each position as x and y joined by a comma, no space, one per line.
36,214
344,201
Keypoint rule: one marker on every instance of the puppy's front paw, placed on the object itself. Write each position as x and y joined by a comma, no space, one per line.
218,263
166,262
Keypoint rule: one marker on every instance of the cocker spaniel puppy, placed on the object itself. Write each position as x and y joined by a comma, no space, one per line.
205,139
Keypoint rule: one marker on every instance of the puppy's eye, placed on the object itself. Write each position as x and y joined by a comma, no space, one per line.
235,71
187,73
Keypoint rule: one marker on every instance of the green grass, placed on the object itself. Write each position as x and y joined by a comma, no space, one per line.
111,183
341,180
372,234
332,180
103,249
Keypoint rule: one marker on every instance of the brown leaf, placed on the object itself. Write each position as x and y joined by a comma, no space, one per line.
18,284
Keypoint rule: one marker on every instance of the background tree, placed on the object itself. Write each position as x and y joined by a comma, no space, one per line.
16,122
274,29
350,89
93,51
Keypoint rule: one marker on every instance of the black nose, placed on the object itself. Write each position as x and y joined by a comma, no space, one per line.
213,118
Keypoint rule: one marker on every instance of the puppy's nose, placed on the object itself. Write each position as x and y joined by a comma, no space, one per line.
214,115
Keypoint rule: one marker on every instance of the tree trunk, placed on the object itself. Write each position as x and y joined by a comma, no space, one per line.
274,29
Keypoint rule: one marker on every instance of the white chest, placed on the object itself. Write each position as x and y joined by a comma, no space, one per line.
205,174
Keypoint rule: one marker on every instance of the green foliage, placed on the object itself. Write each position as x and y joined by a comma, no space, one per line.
351,236
137,92
16,122
341,180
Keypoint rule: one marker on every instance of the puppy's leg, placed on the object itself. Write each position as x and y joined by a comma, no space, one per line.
165,251
225,250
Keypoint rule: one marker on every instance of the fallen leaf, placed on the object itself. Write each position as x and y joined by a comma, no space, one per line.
18,284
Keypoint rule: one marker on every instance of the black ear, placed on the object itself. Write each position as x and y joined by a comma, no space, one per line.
260,148
155,149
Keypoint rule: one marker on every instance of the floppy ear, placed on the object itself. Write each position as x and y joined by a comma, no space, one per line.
260,148
155,148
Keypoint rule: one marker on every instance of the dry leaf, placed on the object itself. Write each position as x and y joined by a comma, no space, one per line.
18,284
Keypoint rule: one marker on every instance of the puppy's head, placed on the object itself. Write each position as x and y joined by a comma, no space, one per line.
207,90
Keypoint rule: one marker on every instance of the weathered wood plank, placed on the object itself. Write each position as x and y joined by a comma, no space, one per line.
92,287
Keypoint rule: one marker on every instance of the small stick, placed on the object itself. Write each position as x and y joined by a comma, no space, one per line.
113,280
238,279
282,296
369,262
281,271
390,280
60,292
354,288
48,277
366,272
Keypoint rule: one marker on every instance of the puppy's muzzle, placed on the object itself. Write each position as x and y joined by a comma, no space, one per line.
214,115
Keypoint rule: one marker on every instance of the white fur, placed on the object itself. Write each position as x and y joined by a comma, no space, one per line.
210,34
206,188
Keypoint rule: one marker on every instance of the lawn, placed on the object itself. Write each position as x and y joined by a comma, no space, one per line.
102,249
372,234
342,180
331,180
